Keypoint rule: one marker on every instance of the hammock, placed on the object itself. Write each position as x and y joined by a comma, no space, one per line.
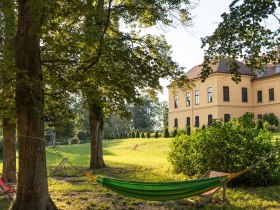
161,191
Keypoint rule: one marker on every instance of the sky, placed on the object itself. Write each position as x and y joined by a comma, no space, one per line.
186,43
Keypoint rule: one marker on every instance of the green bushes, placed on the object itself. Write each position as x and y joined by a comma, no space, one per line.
175,132
156,135
75,140
142,135
229,147
166,133
271,119
148,135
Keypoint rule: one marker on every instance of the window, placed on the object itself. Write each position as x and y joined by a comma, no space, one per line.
226,118
210,95
176,102
259,95
188,121
196,123
188,99
244,95
259,116
226,93
210,119
271,94
196,97
175,123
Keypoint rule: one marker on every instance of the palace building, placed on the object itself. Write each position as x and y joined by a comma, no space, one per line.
219,97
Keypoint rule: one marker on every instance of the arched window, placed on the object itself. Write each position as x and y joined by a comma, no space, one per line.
175,123
226,118
210,119
196,123
188,121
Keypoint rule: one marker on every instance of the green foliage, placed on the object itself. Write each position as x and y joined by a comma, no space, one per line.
203,127
75,140
260,124
271,119
188,130
175,132
142,135
133,134
137,134
82,135
148,135
242,35
166,133
229,147
156,135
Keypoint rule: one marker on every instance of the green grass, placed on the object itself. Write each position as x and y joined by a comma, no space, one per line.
147,163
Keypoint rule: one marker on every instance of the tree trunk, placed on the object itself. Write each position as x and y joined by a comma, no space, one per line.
32,191
54,138
9,147
95,127
8,91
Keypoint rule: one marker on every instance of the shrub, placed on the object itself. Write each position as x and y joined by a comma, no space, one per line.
82,135
260,124
271,119
156,135
175,133
229,147
129,135
75,140
166,133
188,130
142,135
203,127
133,134
137,134
148,135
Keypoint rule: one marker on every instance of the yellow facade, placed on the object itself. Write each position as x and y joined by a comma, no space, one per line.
218,107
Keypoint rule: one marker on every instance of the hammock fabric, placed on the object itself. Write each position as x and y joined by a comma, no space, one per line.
161,191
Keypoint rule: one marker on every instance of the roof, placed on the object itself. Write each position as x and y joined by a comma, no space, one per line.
220,67
270,70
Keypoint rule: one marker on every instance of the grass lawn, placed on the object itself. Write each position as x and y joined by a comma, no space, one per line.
147,163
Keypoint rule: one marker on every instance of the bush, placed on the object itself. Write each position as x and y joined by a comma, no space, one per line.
166,133
129,135
75,140
137,134
271,119
142,135
133,134
82,135
148,135
175,133
203,127
156,135
229,147
188,130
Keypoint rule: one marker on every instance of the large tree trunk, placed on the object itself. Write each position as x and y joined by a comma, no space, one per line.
32,192
8,91
9,147
95,126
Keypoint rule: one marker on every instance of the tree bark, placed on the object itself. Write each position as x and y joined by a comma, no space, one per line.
9,147
32,192
8,91
95,126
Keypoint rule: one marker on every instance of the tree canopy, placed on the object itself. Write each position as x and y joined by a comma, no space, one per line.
245,33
